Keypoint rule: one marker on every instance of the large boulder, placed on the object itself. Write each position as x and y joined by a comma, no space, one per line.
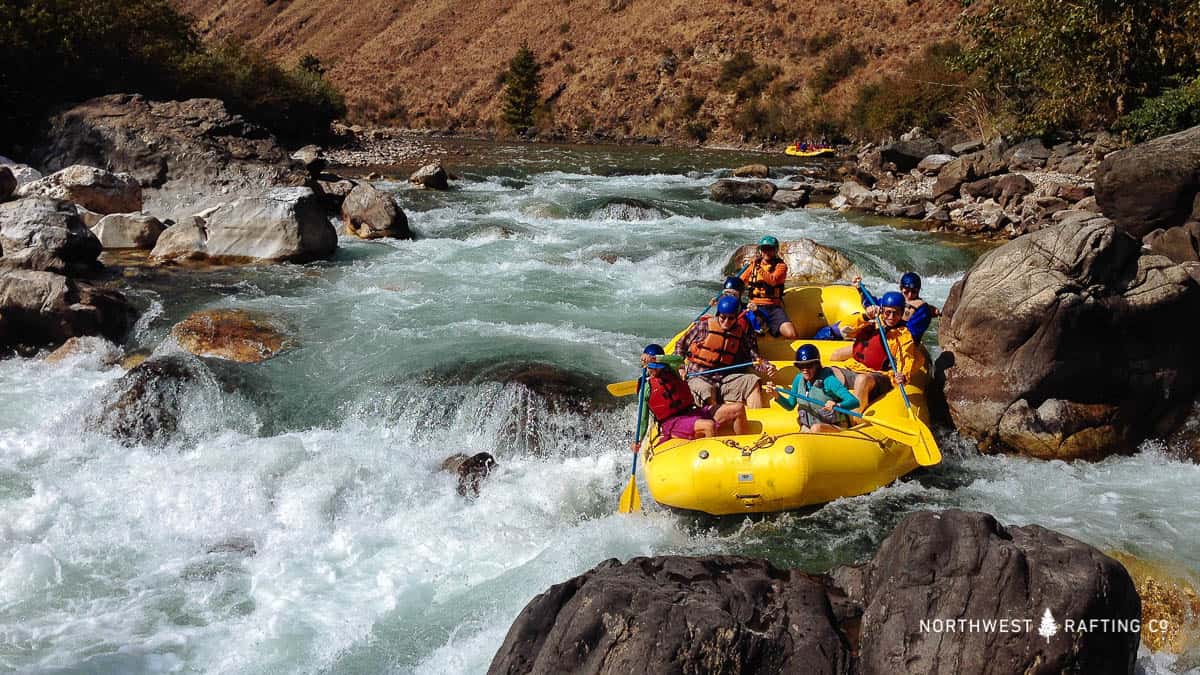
939,572
729,191
371,214
855,196
280,224
1181,244
128,230
232,334
39,309
906,155
432,176
990,161
932,164
40,233
93,189
145,406
752,171
808,262
674,614
1152,185
187,155
1067,343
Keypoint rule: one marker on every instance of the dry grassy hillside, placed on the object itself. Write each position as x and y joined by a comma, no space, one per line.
620,67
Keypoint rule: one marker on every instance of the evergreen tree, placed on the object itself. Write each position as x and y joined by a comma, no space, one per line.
521,86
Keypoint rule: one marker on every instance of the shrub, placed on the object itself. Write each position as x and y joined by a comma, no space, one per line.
58,52
732,70
697,130
1084,63
756,80
1175,109
688,105
924,93
837,66
769,121
522,83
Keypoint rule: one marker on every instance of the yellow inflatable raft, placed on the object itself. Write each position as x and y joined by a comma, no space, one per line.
777,467
795,151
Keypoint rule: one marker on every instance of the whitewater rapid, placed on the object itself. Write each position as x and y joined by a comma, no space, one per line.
299,522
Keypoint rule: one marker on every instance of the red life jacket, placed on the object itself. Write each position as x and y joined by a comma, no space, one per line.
868,349
669,396
720,347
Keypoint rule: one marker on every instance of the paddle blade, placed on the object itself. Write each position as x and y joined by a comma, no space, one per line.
626,388
630,499
925,449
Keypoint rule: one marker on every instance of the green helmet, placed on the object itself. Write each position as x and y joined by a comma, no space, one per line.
769,241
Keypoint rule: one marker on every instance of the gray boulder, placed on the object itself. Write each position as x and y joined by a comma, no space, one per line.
729,191
39,309
432,176
280,224
93,189
981,164
1030,154
967,147
752,171
1151,185
790,199
1054,344
128,230
312,158
932,164
46,234
672,614
371,214
1181,244
906,155
959,567
808,262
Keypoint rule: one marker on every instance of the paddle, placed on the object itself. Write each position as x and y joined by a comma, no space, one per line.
630,500
631,386
926,451
715,298
912,435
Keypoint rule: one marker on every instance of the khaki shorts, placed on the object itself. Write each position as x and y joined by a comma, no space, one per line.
725,388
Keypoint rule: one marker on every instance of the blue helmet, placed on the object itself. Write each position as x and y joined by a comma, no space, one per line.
728,305
910,280
808,354
734,284
654,350
892,300
769,241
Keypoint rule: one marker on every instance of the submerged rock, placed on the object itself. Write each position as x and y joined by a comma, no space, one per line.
145,405
752,171
232,334
1170,604
1066,343
471,470
720,614
730,191
432,176
808,262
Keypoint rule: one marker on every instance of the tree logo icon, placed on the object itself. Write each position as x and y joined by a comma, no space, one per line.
1048,628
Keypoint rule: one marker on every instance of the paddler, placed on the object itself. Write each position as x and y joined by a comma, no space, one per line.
670,402
765,278
873,377
725,339
822,384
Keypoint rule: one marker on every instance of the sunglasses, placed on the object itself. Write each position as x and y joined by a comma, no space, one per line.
890,311
727,317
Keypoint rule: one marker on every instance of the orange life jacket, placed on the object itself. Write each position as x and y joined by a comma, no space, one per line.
669,396
761,290
720,347
868,349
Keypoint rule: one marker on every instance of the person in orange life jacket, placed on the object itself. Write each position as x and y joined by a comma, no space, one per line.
723,340
670,402
766,276
872,371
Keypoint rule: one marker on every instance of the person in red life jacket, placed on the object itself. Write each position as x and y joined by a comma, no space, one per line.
670,402
719,341
765,277
918,314
872,371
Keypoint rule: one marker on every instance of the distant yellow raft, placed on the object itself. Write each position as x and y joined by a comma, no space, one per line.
795,151
776,467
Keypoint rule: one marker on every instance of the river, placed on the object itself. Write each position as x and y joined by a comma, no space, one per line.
298,523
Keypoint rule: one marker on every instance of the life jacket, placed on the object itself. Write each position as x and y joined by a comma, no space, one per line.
868,349
761,290
720,347
815,412
669,396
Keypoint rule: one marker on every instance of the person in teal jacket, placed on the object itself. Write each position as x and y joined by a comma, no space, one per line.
822,384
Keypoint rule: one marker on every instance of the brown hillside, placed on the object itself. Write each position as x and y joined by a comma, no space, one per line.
607,64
